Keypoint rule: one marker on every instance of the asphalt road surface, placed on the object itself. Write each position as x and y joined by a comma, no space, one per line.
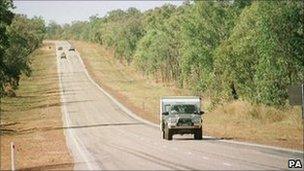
102,136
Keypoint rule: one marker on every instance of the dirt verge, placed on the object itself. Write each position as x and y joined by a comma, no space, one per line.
32,118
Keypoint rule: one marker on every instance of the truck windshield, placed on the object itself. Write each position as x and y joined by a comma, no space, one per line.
183,109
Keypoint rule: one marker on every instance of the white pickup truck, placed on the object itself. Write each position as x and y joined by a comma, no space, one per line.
181,115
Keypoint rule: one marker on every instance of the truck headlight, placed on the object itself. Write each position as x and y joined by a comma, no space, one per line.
197,120
172,120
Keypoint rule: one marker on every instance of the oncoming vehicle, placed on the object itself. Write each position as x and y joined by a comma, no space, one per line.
63,55
181,115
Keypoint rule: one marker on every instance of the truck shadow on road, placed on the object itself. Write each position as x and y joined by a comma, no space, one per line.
204,139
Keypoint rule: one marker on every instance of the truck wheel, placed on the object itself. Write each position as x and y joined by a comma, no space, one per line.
198,135
168,134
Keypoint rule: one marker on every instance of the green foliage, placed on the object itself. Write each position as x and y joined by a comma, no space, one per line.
264,53
250,50
21,37
128,32
25,35
206,24
53,30
6,17
158,51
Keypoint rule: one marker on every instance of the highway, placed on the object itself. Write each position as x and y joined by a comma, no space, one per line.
102,136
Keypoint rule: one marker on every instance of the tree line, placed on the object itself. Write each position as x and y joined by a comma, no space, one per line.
248,50
20,36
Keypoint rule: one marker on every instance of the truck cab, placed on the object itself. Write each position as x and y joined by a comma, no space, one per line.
181,115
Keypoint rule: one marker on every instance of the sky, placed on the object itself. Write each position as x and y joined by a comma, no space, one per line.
67,11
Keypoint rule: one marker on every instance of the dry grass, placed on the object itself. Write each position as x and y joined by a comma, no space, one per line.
36,106
257,123
237,120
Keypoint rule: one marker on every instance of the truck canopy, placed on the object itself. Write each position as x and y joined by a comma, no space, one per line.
167,102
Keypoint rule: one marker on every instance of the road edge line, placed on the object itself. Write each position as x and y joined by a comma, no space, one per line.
263,146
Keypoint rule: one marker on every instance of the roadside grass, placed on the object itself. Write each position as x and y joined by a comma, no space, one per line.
257,123
236,120
26,117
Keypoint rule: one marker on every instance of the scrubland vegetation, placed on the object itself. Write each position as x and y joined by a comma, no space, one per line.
245,50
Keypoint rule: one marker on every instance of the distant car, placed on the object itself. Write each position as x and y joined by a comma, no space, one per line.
71,48
60,48
63,55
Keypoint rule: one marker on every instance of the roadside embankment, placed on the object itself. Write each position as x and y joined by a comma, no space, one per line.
236,120
32,119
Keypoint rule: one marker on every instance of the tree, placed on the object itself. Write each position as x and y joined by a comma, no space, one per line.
23,36
6,17
158,52
205,26
264,53
53,30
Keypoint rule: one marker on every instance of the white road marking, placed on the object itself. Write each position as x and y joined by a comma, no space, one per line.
227,164
205,158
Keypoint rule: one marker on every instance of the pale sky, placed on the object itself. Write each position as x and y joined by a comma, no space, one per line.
67,11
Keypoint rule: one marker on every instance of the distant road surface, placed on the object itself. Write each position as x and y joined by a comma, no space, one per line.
102,136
